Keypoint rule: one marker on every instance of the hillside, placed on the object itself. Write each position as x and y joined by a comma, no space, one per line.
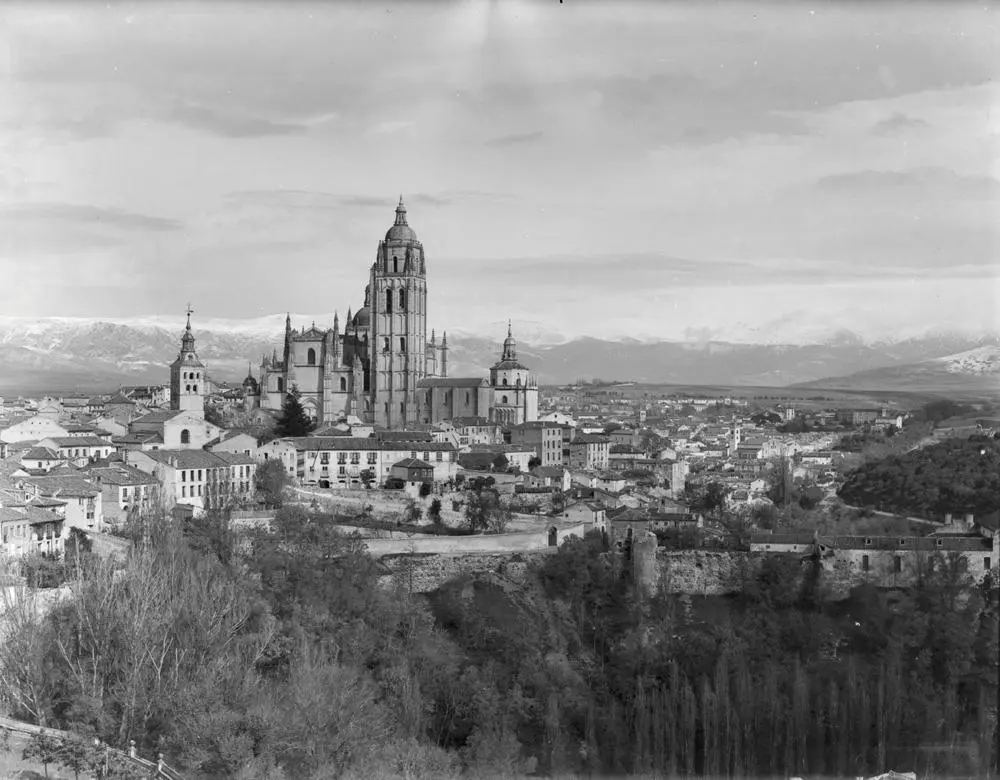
972,371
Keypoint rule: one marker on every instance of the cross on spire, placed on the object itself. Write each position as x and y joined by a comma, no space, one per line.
190,311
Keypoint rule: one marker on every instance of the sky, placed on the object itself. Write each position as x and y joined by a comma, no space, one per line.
736,171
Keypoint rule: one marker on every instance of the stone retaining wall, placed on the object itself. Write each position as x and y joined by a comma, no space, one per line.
425,573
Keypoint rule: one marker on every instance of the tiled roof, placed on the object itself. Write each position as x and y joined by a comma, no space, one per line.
318,443
969,543
198,459
414,436
157,417
40,453
803,537
34,516
413,463
590,438
78,441
118,399
72,485
121,475
448,381
472,422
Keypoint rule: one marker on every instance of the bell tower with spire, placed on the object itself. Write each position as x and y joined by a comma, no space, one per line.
187,375
397,348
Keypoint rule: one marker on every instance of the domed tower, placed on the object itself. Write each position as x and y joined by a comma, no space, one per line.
515,392
397,313
251,391
187,375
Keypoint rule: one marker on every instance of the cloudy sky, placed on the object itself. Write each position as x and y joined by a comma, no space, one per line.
744,171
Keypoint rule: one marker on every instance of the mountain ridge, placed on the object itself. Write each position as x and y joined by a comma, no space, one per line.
91,354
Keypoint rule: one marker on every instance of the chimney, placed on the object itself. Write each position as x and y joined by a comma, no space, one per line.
947,518
969,518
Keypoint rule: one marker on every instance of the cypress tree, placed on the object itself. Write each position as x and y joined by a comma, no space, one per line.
293,420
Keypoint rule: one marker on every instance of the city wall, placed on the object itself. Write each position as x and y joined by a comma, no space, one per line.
425,573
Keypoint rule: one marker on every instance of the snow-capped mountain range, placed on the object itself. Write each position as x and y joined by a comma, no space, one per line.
66,354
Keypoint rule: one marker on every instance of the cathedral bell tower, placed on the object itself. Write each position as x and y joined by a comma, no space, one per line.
187,375
397,349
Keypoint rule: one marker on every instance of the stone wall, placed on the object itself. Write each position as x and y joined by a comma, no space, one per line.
424,573
705,572
479,543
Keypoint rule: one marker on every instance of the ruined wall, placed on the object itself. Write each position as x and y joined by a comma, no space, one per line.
424,573
479,543
705,572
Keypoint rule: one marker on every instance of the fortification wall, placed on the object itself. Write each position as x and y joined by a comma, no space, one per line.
425,573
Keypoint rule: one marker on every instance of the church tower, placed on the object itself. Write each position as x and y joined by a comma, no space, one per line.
187,375
397,349
515,390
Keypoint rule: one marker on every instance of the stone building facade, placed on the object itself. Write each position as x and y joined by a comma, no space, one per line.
383,368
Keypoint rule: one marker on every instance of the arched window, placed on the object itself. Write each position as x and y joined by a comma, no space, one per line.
466,397
402,408
386,408
503,400
185,436
184,375
194,388
402,344
343,384
505,381
188,388
385,344
388,300
402,300
311,357
519,381
395,264
281,384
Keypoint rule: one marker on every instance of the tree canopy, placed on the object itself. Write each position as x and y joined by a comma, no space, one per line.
293,420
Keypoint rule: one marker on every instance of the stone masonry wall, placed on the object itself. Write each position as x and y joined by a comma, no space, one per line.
705,572
424,573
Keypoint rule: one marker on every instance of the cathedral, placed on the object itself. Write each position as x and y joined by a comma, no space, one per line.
382,368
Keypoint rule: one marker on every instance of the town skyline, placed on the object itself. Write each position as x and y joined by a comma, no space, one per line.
702,173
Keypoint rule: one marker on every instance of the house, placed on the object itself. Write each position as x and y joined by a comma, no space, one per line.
548,476
591,513
625,437
146,441
234,441
338,461
179,429
29,530
623,457
560,418
40,459
518,455
546,439
81,499
613,483
121,408
200,479
413,472
124,489
110,426
476,430
588,451
801,542
78,449
32,429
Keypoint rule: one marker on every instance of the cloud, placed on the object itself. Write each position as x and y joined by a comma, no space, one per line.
937,181
229,124
61,214
514,139
896,123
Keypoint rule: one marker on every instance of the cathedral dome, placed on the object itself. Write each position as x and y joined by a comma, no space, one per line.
363,319
400,231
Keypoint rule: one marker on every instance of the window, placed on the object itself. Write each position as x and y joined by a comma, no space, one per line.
324,458
427,456
395,270
183,476
986,563
402,344
897,563
372,458
388,298
185,436
194,388
184,491
402,408
343,385
466,397
402,300
188,388
281,385
341,457
868,542
865,563
385,344
438,456
902,542
311,357
342,471
199,475
355,458
505,381
503,399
